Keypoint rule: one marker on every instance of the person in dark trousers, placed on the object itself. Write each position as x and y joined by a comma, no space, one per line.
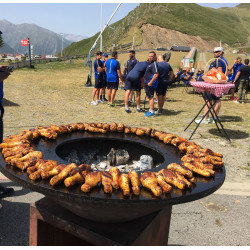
235,67
151,81
113,71
134,81
98,68
102,96
165,75
243,77
4,73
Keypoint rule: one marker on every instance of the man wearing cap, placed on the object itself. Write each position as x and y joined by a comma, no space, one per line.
104,84
220,64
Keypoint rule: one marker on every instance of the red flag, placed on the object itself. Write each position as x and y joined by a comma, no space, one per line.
25,42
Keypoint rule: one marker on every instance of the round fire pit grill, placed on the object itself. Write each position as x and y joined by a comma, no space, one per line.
114,207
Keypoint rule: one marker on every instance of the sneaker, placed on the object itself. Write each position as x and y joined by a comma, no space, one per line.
204,121
156,100
159,112
235,98
128,111
231,98
149,114
236,101
129,102
210,120
108,103
139,110
104,99
111,104
99,101
93,103
5,192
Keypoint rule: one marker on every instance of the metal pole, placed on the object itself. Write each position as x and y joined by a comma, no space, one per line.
29,52
101,30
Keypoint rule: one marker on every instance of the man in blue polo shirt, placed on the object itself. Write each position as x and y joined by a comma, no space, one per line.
220,64
98,69
134,81
165,75
4,73
235,67
113,71
151,81
104,84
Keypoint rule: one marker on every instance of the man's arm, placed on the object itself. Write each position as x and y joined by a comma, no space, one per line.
171,75
155,76
236,77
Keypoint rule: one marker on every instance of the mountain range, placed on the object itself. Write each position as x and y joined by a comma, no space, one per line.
153,25
43,40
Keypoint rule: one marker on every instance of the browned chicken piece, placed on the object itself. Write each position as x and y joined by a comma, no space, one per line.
55,180
80,126
93,124
124,184
127,130
153,133
168,138
27,134
113,127
196,169
16,148
162,136
164,185
184,146
148,180
55,128
54,171
35,133
47,132
181,169
26,164
14,143
210,152
120,128
140,131
29,158
177,141
172,178
63,129
107,182
32,169
135,182
148,131
133,130
181,177
72,126
103,131
91,180
42,165
77,175
158,133
115,173
195,161
20,150
99,125
92,129
106,126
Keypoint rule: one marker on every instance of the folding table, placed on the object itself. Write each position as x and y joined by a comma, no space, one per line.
215,89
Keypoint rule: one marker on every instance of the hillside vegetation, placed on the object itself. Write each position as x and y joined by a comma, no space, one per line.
231,25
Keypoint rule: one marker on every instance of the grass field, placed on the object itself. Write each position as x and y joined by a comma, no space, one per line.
55,93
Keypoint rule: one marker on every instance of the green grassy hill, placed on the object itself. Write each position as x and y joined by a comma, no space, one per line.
231,25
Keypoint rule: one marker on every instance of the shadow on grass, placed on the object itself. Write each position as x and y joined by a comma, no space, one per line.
231,118
9,103
233,134
172,112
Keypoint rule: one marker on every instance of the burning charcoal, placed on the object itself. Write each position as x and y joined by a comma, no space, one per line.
122,156
111,157
102,165
145,162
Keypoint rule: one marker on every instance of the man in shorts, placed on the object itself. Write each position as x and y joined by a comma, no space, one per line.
98,69
150,81
165,75
133,82
113,71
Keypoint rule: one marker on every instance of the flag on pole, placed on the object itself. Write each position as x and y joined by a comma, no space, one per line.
25,42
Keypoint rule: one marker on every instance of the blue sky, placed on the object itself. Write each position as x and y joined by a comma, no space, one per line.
71,18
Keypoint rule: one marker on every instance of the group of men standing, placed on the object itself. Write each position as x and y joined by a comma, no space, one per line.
153,75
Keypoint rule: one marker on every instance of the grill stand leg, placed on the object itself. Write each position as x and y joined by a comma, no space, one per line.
51,224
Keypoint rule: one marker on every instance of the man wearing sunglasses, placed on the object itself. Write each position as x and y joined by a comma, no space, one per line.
221,64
